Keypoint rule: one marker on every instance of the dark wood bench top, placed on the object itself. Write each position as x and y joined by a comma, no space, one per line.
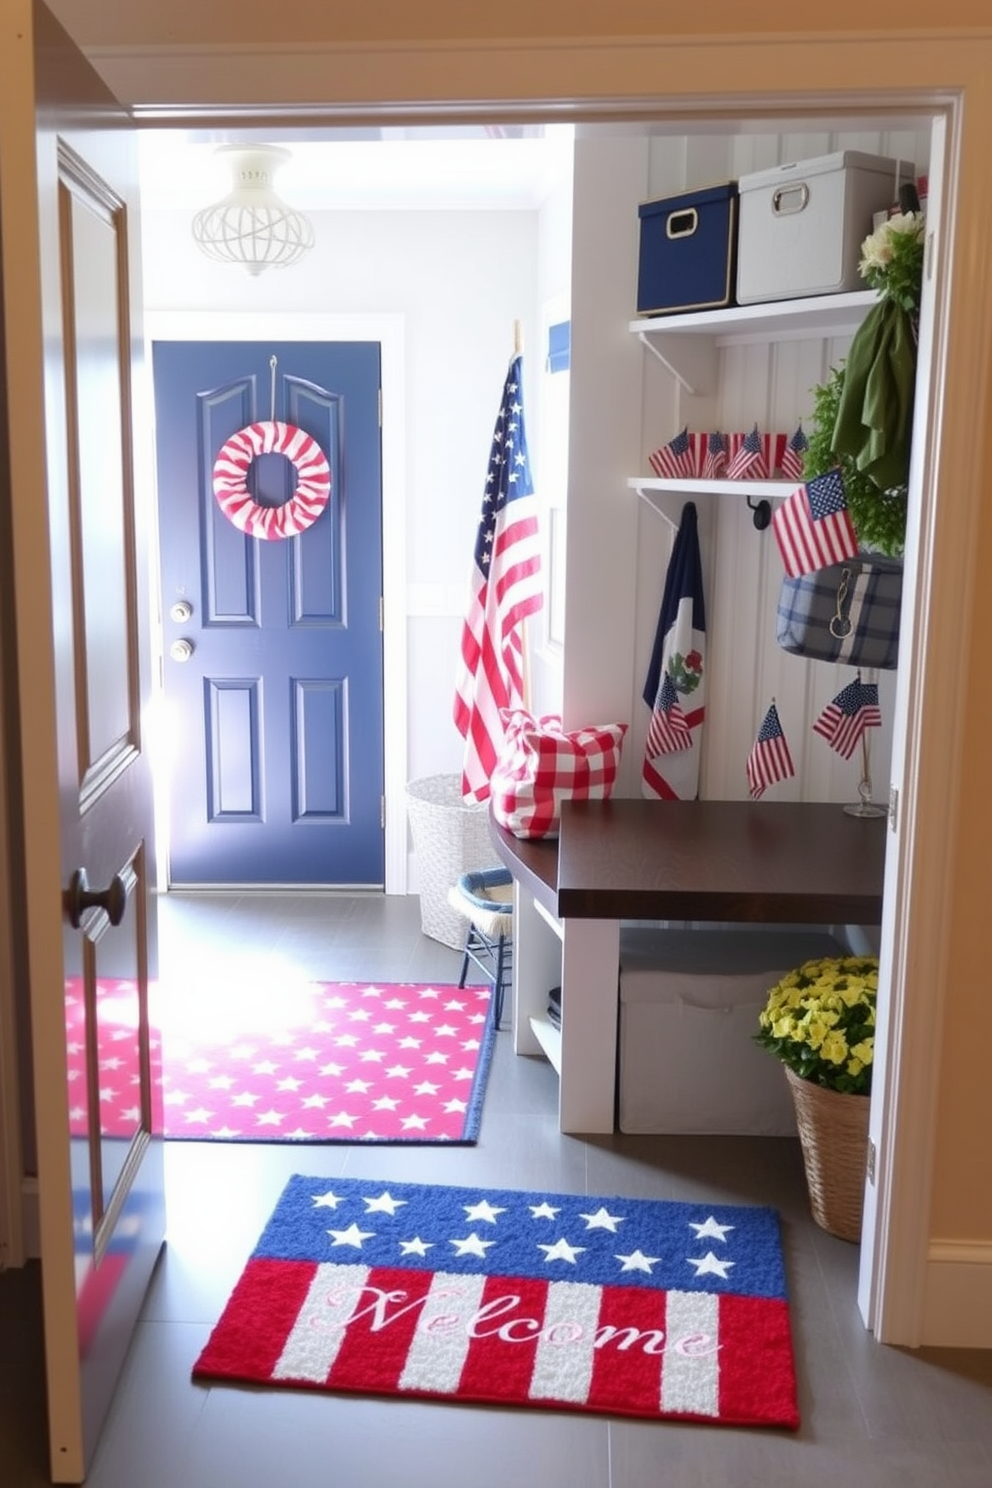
534,863
759,861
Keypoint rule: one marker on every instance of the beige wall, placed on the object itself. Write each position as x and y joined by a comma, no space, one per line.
125,22
956,790
962,1202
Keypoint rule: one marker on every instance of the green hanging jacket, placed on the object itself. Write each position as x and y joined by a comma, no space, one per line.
875,418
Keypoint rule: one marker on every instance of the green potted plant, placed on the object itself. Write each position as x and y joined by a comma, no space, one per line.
819,1021
862,414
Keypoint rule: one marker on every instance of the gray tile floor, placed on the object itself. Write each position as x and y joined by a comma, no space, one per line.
874,1416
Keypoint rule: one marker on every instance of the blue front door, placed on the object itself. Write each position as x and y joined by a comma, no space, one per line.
273,646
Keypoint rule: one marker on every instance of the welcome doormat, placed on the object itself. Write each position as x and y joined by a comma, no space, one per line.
293,1061
632,1307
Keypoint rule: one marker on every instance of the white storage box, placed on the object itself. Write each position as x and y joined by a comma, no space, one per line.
689,1005
802,225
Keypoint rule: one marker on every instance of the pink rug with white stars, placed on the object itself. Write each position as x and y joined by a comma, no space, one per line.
301,1062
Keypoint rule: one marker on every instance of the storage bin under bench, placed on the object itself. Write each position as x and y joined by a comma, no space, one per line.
689,1005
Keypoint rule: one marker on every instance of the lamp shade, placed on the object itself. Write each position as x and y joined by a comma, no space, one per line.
252,225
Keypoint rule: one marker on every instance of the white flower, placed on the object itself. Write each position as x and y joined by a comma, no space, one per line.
877,249
912,223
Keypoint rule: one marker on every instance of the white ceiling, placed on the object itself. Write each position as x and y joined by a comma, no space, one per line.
416,169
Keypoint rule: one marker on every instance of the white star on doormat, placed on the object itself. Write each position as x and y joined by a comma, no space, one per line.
638,1261
472,1245
602,1220
561,1251
482,1210
416,1246
351,1236
710,1229
710,1265
384,1204
326,1200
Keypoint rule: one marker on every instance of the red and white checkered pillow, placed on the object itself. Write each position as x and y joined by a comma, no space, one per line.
540,766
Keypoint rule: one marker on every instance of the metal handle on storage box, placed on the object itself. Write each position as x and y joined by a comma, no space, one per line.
789,199
682,224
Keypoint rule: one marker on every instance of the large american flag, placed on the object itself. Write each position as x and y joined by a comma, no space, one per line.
505,589
813,527
844,720
632,1306
770,759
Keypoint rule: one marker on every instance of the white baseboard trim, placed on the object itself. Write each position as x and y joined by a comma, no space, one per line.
957,1309
30,1219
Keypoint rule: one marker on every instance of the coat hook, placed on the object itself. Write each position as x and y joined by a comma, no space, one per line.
762,512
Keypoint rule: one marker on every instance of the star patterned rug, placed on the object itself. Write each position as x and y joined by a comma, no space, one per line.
633,1307
300,1062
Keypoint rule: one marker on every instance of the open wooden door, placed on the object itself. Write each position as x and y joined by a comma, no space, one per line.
83,654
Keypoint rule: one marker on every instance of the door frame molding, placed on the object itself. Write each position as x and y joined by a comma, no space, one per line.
676,78
388,329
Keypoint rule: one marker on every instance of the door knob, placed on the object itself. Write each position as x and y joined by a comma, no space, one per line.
181,650
79,897
181,611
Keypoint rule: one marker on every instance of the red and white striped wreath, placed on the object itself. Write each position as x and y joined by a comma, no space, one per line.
230,480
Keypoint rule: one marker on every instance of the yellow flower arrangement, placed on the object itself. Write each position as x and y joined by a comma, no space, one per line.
820,1021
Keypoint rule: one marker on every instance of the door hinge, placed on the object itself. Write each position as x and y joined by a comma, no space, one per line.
929,253
382,614
893,808
382,812
870,1161
380,408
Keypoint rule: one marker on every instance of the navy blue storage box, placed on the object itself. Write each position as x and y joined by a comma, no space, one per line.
688,251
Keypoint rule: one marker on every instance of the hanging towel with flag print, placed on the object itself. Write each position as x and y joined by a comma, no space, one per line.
675,688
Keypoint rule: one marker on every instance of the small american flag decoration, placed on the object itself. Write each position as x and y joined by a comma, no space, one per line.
791,464
770,759
813,526
750,459
715,460
674,461
844,720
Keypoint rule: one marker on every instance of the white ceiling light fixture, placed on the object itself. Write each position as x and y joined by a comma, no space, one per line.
252,225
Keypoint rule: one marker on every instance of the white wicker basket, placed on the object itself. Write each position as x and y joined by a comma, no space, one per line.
450,837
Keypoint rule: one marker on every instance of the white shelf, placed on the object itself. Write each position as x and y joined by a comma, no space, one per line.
691,358
549,1038
644,485
826,315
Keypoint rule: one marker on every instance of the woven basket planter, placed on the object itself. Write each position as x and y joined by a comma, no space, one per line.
450,837
833,1133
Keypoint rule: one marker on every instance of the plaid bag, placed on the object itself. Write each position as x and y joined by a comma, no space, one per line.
539,766
847,612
